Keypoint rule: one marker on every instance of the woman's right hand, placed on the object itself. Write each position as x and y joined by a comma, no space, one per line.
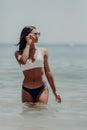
30,39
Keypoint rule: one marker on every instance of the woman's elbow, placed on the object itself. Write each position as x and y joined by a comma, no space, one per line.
22,61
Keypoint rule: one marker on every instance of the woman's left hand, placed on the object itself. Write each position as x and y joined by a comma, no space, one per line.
57,97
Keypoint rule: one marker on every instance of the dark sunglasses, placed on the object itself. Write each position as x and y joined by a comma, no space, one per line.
36,34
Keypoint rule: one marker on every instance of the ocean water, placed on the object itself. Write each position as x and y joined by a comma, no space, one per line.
69,67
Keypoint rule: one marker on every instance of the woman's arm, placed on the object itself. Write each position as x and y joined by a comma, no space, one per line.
50,77
22,58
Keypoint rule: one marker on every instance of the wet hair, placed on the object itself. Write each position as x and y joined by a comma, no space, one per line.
22,42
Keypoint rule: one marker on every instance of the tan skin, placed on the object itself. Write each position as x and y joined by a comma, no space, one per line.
34,78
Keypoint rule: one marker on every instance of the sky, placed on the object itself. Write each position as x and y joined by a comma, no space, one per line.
59,21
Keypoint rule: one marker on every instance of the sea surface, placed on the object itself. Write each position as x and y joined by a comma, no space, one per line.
68,64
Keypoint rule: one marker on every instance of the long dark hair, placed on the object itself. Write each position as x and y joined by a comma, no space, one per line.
22,42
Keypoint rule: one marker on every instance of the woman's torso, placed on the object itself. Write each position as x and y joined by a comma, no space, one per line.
34,72
33,78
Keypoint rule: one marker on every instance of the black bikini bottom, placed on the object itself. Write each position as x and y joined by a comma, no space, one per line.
34,92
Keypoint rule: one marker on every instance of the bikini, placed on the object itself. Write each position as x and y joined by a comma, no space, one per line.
38,63
34,92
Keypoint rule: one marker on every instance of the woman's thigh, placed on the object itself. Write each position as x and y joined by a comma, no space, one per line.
43,96
26,97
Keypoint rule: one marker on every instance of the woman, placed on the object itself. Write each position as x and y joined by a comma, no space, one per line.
34,62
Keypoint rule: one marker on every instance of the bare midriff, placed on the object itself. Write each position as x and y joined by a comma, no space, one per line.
33,78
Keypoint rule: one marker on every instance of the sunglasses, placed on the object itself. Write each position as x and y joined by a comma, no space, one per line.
36,34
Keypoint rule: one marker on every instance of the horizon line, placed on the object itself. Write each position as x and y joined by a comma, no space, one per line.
58,43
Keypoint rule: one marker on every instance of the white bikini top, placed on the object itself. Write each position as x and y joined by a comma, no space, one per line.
36,64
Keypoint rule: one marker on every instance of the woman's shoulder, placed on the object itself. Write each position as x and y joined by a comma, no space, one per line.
43,50
17,52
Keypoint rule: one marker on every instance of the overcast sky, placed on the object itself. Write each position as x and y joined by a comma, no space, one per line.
60,21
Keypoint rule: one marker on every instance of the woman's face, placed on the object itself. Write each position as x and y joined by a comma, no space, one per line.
35,34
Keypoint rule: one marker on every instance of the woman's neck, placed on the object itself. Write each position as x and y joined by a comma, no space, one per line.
32,47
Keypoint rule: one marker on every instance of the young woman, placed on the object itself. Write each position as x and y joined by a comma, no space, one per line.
34,63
